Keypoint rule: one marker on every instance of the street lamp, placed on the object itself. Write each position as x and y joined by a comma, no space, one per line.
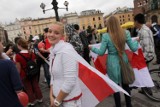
55,7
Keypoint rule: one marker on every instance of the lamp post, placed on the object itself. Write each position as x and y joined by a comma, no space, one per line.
55,7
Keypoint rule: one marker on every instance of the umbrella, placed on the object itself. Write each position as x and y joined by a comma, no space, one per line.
104,30
128,25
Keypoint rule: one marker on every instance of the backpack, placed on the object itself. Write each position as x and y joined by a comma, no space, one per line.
156,29
158,35
157,41
31,67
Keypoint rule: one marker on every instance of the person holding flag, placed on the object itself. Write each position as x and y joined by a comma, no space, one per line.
115,41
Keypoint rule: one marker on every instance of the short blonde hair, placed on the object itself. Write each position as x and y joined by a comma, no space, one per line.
61,26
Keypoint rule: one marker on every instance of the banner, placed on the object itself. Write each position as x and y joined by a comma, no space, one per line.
137,61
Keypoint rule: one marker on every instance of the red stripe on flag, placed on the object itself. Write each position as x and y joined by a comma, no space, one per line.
100,64
137,61
95,83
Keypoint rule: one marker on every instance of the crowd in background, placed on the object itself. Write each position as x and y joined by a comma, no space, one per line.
39,50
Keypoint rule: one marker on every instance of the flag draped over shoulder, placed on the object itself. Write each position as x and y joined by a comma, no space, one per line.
137,61
95,85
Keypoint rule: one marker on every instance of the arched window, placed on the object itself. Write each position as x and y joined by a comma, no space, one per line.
154,18
154,4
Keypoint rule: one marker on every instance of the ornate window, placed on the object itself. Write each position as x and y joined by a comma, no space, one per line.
154,4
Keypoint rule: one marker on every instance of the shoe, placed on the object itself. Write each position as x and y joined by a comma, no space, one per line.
31,104
45,81
141,91
39,101
155,63
149,91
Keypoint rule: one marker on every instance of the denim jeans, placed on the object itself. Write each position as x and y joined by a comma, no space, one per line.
46,72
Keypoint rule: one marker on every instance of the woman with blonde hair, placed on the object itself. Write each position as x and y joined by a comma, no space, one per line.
65,88
115,41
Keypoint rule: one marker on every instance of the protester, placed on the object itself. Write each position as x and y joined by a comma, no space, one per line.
74,38
84,40
43,48
92,38
83,36
10,82
115,41
65,87
31,85
9,51
15,48
156,36
145,37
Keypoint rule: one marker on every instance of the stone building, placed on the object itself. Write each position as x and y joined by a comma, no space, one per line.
13,30
3,35
71,18
124,14
35,26
93,18
39,24
150,8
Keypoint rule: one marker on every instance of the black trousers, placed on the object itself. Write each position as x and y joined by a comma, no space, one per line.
86,55
117,97
157,49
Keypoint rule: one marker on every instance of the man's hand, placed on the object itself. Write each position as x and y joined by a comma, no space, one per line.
90,47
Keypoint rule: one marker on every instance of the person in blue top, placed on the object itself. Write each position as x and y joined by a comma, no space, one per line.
115,41
10,83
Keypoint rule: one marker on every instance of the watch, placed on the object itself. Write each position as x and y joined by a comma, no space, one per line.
57,103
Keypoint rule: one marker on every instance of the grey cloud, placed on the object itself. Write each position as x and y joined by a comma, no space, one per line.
11,9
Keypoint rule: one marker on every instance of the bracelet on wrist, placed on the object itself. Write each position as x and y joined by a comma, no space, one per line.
57,103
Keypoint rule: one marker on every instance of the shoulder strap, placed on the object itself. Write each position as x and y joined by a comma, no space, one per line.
26,59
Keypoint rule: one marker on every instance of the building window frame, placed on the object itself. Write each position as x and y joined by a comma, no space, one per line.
93,19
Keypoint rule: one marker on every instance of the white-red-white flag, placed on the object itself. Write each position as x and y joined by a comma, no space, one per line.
95,85
137,61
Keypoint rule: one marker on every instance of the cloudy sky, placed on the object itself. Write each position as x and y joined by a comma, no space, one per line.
11,9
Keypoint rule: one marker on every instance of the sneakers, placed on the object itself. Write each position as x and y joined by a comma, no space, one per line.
45,81
31,104
155,63
39,101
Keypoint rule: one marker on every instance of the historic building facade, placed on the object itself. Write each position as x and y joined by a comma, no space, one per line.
39,24
124,14
35,26
93,18
13,30
26,27
3,35
71,18
150,8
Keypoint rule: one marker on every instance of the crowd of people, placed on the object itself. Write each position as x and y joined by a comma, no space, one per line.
61,70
